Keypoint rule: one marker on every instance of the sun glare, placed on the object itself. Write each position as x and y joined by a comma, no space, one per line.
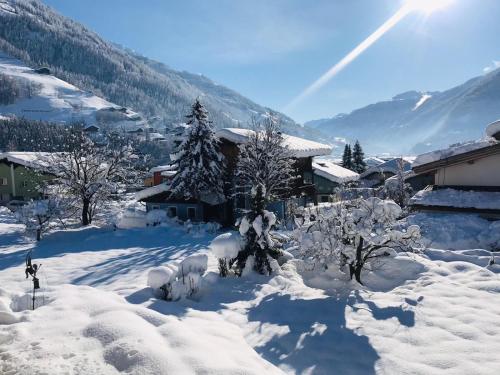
428,6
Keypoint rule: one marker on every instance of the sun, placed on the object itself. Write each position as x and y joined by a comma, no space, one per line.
428,6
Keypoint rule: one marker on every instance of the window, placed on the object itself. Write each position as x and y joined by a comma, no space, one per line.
24,184
191,213
325,199
155,207
172,211
308,178
3,181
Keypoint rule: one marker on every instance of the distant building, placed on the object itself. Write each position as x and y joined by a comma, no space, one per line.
22,174
376,176
328,176
466,177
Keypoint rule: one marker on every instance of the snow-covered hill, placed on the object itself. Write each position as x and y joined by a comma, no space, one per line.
420,121
41,96
37,35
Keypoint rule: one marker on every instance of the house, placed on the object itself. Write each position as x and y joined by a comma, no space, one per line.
211,209
22,174
163,173
328,176
376,176
466,177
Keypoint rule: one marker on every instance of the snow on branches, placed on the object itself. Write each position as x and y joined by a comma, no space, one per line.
355,234
200,162
265,160
89,172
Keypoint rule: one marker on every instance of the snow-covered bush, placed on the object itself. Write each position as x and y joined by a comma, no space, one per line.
38,215
396,188
173,282
354,234
226,248
254,243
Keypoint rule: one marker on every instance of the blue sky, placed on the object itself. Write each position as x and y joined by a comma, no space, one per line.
271,50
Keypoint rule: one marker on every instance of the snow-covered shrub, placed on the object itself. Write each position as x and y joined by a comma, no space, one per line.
173,282
354,234
156,217
396,188
38,215
225,248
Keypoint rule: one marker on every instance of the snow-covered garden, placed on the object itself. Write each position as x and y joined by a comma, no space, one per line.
100,308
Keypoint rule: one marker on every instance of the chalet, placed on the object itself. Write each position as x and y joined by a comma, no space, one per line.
212,209
328,176
466,177
21,175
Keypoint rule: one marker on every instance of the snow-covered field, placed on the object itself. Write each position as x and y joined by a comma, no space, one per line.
436,313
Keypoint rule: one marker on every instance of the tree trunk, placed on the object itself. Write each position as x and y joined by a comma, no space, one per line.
85,212
38,234
356,266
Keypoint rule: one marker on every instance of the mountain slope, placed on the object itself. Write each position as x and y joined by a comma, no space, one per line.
41,96
35,34
416,122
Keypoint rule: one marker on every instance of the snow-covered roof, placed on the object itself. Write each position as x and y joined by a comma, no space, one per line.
300,147
373,161
489,200
493,130
389,166
454,150
36,160
154,136
151,191
168,173
333,172
161,168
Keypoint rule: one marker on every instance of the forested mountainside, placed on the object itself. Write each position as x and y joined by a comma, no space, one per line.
38,36
416,122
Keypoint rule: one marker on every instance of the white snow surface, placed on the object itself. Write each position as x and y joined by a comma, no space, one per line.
457,198
333,172
422,100
454,150
227,245
433,313
299,147
151,191
493,129
56,101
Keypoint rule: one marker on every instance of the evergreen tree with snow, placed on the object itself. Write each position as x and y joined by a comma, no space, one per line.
358,156
200,162
255,228
347,157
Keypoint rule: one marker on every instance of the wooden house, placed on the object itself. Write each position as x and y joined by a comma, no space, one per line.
210,209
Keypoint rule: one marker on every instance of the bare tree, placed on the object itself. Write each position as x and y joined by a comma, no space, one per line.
265,161
90,172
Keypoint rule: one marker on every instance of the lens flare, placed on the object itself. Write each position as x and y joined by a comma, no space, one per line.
425,6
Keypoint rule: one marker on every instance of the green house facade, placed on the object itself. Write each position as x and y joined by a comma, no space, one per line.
21,176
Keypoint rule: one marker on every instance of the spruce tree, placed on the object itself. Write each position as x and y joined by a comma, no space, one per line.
347,157
200,162
358,156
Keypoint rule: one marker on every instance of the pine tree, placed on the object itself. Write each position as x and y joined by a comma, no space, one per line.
347,157
255,228
358,156
200,163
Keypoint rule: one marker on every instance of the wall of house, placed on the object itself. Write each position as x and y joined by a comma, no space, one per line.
181,209
481,172
27,183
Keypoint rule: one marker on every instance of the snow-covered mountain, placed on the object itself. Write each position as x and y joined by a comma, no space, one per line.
35,34
38,95
416,122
